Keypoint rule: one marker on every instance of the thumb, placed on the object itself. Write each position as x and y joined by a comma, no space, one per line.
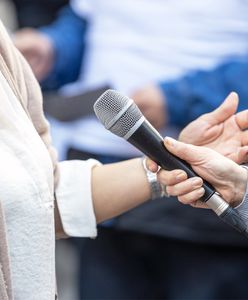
224,111
190,153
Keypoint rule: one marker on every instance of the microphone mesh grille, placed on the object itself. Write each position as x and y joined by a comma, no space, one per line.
109,105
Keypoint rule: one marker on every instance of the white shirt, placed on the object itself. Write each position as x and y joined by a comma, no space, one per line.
132,43
26,191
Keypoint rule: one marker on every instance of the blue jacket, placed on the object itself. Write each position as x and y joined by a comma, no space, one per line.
186,98
68,36
200,92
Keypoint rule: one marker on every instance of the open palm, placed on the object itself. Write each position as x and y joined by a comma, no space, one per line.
223,130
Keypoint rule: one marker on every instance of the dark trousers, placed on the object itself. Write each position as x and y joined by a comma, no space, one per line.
129,265
122,264
36,13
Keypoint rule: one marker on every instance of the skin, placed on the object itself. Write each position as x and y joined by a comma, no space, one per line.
38,50
220,130
129,186
118,187
224,137
228,178
152,103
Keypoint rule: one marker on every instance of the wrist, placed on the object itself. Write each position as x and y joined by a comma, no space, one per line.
240,185
156,189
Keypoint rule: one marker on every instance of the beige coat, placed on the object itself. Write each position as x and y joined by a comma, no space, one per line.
22,82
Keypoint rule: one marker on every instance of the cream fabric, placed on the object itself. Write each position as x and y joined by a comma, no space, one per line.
27,225
26,189
78,217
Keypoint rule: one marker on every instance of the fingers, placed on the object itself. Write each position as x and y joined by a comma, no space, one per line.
170,178
187,152
185,188
242,119
224,111
192,197
244,138
151,165
240,156
188,191
199,204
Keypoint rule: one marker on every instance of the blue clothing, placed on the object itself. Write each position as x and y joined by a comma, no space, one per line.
202,91
186,98
67,34
37,13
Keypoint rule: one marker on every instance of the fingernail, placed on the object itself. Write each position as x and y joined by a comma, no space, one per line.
180,176
201,192
197,182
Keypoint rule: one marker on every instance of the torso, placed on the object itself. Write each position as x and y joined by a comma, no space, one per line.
26,193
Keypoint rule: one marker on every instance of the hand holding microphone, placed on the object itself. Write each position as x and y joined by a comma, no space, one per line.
228,178
121,116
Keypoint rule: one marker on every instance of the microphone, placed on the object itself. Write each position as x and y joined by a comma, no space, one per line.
121,116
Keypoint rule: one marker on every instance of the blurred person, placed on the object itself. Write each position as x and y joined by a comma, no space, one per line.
47,54
37,13
198,91
7,15
121,48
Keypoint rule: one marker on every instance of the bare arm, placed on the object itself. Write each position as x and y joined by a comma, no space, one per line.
118,187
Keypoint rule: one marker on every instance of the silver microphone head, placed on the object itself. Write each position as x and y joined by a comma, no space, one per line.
118,113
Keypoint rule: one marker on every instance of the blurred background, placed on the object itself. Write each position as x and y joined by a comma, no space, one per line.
177,60
8,14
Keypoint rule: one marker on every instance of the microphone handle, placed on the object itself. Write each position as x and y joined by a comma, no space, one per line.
150,142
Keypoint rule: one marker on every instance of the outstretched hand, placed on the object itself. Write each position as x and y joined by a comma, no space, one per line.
223,137
221,130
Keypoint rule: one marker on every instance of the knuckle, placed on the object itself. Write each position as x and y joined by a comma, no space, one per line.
182,199
187,199
165,177
171,191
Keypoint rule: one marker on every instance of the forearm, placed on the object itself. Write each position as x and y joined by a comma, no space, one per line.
242,208
116,188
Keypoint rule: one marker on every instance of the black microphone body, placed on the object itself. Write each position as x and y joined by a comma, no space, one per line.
121,116
150,142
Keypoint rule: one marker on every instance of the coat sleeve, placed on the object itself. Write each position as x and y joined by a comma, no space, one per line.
202,91
67,29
